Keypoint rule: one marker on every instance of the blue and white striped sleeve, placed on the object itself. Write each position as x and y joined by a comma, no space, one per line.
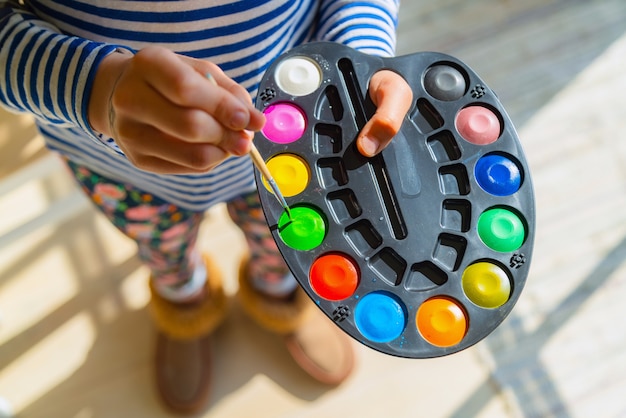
368,26
44,72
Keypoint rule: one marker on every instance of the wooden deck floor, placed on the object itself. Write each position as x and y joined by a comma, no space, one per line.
75,337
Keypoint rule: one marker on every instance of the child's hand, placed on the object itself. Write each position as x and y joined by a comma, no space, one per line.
166,116
393,97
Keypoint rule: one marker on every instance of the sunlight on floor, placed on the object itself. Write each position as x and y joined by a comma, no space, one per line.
28,387
23,310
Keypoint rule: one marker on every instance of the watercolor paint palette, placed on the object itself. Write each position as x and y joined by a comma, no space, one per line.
423,250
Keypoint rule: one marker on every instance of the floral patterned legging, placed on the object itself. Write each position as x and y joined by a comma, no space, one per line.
166,235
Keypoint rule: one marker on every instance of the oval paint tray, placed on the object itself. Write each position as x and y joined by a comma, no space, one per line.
423,250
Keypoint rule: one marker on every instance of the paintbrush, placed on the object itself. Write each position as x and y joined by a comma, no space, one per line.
259,162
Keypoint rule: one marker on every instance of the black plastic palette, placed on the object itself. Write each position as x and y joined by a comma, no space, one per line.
423,250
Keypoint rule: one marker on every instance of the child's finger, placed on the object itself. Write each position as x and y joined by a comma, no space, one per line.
216,76
257,119
393,97
153,150
212,72
184,86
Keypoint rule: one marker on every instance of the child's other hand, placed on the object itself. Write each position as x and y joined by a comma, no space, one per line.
165,114
393,97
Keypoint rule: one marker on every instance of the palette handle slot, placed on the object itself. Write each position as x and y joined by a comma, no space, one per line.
376,164
385,190
354,92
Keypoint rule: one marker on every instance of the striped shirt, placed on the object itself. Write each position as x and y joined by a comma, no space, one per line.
49,51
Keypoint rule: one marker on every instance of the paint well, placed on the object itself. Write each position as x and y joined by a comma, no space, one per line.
486,285
498,175
334,276
441,321
501,229
284,123
298,76
478,125
444,82
305,230
290,172
380,317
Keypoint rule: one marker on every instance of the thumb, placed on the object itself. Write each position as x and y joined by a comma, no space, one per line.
393,98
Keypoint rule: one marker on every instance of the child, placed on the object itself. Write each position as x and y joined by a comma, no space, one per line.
120,89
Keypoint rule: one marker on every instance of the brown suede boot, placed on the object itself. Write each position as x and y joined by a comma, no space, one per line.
183,360
317,345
